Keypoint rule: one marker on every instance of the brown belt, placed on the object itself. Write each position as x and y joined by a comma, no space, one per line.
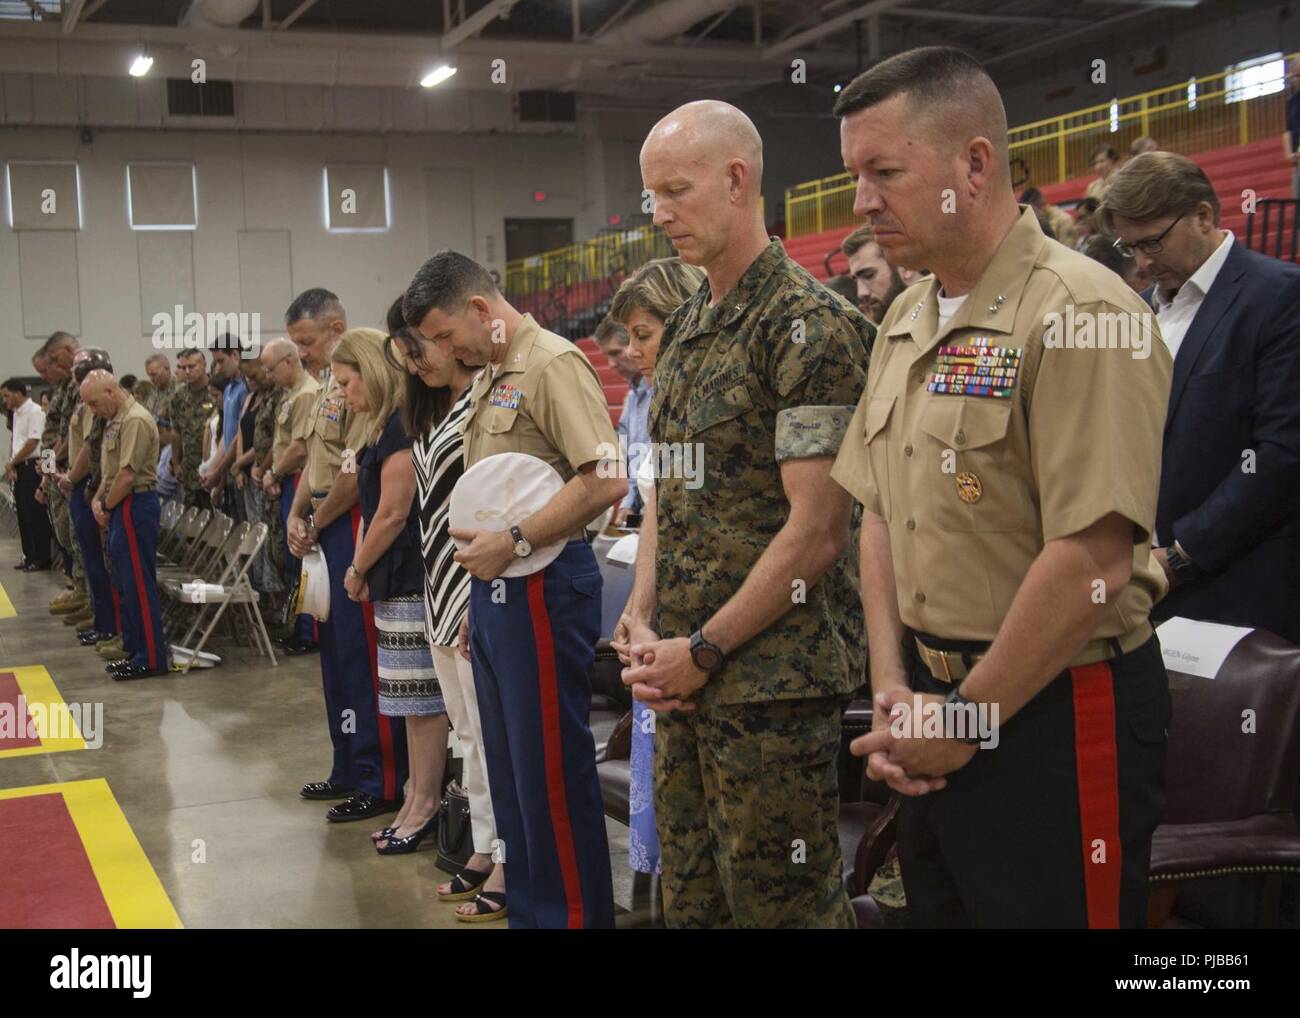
950,665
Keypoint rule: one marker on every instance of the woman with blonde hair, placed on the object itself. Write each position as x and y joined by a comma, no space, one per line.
642,305
386,571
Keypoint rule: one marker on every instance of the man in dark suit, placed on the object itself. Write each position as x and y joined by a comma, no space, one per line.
1228,518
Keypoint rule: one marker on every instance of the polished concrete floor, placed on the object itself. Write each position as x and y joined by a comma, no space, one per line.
206,768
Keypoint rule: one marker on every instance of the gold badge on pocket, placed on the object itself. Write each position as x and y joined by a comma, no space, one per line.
969,488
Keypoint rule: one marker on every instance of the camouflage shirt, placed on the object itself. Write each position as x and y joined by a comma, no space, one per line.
63,400
264,423
190,409
95,449
771,373
157,401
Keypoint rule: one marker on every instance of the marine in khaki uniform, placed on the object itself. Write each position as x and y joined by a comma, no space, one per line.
1007,466
532,637
369,763
127,503
293,424
742,629
85,432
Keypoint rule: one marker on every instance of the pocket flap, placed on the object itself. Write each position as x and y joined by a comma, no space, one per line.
719,408
966,424
498,420
878,411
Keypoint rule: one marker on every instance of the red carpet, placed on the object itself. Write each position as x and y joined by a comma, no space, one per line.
9,693
46,880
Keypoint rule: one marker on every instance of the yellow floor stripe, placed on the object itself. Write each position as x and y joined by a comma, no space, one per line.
7,610
38,688
131,889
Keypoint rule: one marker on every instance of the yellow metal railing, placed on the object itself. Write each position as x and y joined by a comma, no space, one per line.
609,253
1192,116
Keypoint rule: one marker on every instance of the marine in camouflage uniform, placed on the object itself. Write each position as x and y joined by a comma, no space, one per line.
269,513
155,400
746,790
190,407
62,403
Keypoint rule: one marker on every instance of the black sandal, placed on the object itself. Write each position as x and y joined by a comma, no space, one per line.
484,912
463,889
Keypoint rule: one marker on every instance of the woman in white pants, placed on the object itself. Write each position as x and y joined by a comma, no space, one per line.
437,390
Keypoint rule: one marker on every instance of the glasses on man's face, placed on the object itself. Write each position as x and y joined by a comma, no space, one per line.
1149,245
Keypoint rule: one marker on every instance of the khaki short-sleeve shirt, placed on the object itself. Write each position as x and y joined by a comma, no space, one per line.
295,418
544,399
336,434
1035,413
131,440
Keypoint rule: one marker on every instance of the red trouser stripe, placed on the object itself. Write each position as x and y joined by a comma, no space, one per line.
146,617
553,749
372,647
1097,767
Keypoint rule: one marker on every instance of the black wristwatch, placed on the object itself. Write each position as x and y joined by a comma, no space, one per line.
1182,568
522,548
708,656
954,697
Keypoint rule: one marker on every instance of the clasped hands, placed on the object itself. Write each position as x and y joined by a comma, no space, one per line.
661,672
902,757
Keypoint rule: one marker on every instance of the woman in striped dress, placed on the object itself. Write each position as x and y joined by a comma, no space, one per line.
437,397
386,571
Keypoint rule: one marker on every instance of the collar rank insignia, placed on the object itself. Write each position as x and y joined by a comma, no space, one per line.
506,396
977,369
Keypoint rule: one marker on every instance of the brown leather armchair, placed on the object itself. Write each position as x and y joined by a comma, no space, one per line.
1229,832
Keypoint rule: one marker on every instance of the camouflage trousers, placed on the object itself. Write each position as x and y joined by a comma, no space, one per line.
746,803
61,518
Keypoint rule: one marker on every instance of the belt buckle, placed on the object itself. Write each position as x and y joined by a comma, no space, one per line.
947,672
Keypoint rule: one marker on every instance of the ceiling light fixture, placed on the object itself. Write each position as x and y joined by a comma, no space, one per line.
140,66
437,76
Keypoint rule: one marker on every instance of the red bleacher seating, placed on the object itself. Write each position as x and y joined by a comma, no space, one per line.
611,380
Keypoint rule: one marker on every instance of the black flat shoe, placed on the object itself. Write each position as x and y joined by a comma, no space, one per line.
30,568
325,790
21,565
139,672
404,846
361,806
296,647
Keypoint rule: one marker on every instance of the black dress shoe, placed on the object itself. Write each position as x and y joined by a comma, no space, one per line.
294,647
31,567
410,843
90,637
361,806
139,672
325,790
21,565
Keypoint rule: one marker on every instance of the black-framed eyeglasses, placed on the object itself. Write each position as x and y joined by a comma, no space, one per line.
1149,246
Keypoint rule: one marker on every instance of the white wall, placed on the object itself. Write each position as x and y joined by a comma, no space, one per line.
273,181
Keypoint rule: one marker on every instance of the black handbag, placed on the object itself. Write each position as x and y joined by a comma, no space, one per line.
455,845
